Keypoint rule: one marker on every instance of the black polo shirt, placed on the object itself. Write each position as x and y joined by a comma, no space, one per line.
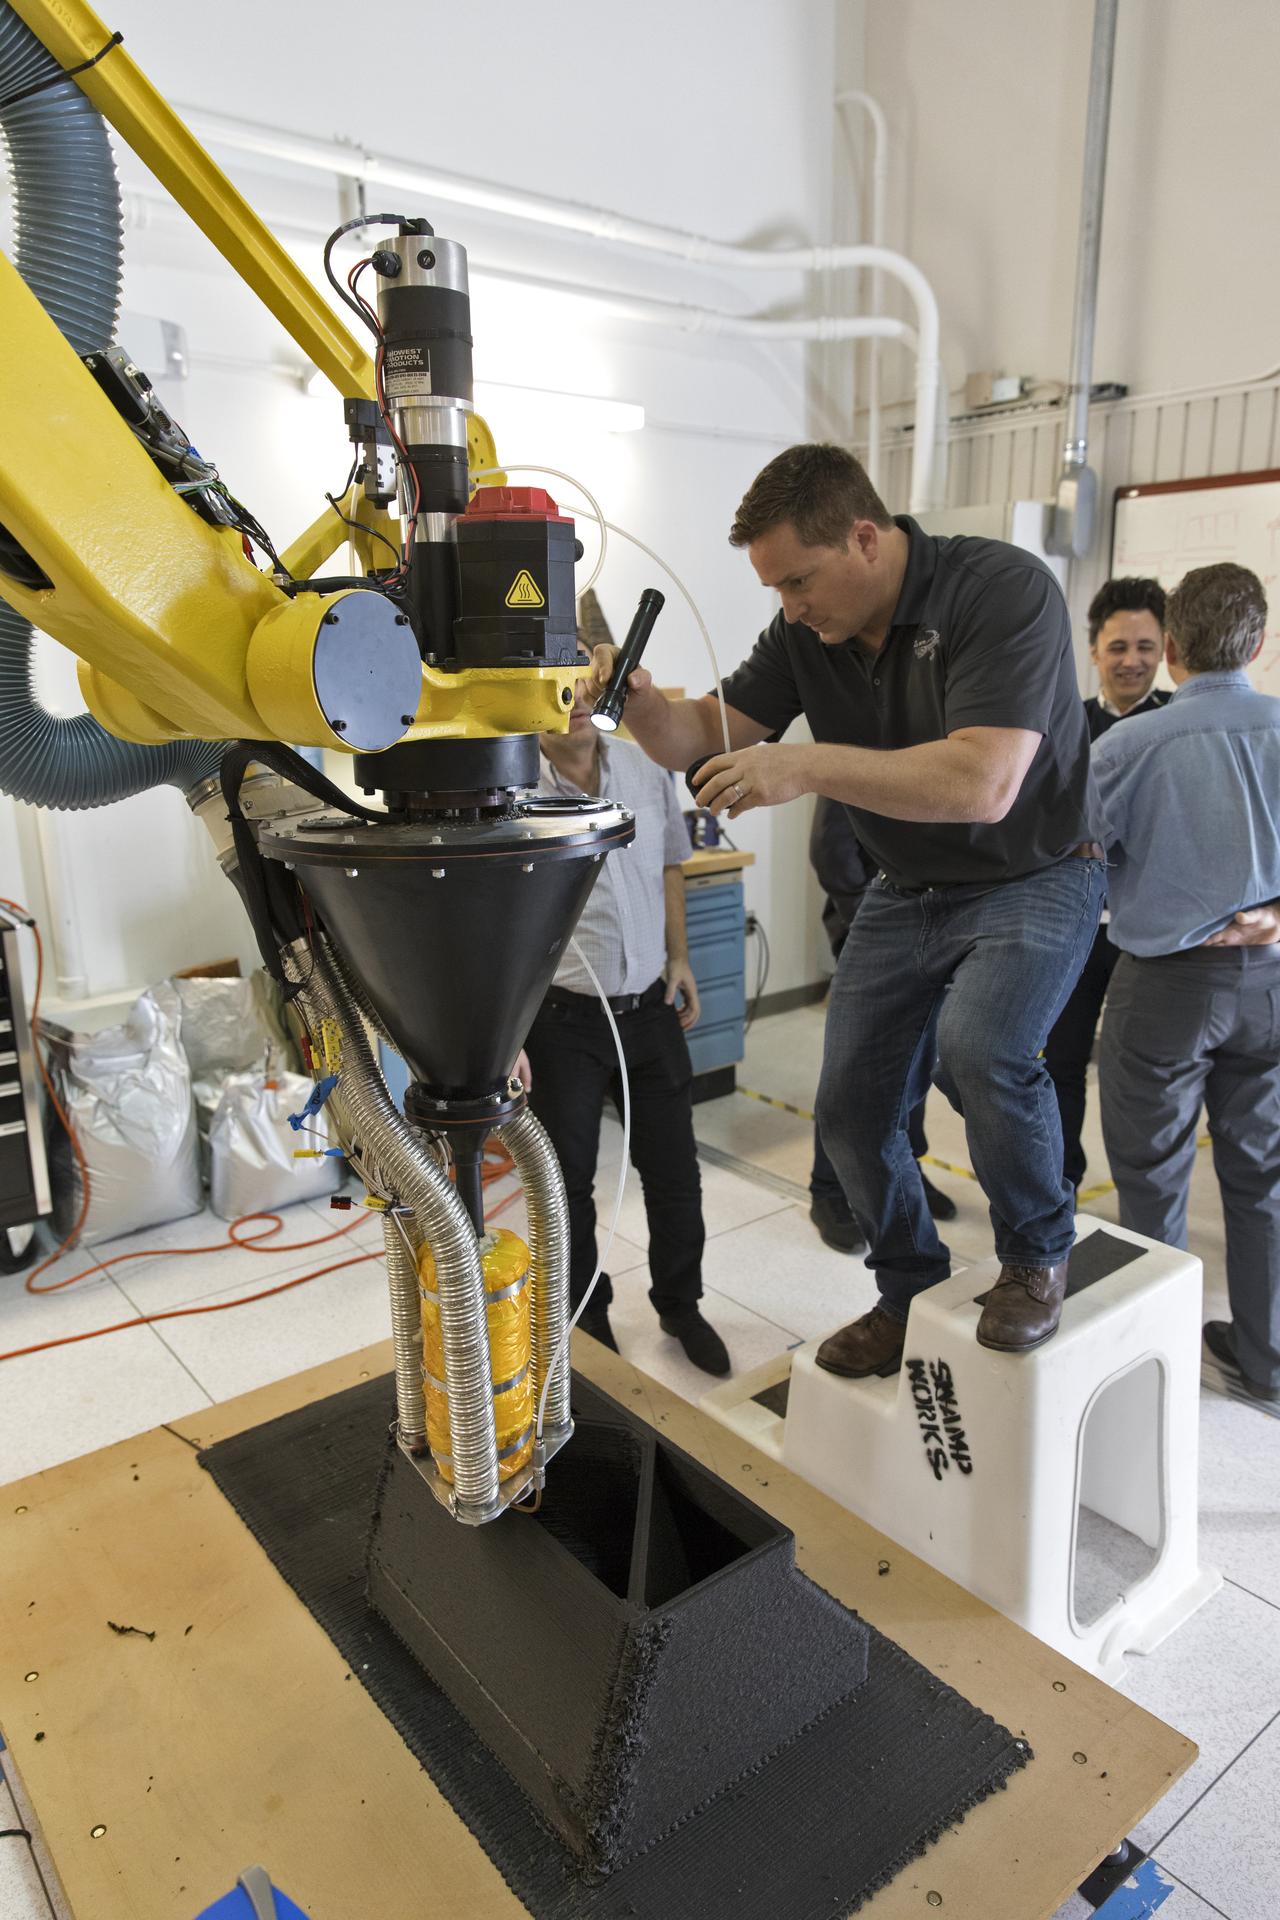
980,638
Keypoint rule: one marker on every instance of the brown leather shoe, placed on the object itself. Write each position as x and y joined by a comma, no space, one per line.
870,1345
1023,1308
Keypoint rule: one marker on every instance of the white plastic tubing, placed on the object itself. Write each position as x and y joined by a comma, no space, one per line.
434,183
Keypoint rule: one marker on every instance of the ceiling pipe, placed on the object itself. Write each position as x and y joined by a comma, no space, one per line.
855,97
433,183
1072,521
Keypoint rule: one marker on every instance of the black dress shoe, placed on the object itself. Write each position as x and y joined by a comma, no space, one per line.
595,1321
701,1342
941,1206
1219,1337
836,1225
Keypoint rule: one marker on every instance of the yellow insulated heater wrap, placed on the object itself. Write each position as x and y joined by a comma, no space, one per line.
504,1261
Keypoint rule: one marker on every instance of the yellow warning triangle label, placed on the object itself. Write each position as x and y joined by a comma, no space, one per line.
524,591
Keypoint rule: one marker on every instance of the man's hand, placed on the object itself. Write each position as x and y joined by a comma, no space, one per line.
1254,927
602,659
681,986
761,776
522,1071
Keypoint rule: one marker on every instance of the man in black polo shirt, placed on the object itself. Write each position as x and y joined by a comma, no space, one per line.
937,679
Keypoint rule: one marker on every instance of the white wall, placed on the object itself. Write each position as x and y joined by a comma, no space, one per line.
986,104
664,115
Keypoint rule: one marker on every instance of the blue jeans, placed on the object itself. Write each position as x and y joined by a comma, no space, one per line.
974,976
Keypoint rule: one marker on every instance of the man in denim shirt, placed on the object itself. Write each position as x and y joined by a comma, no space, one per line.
1192,799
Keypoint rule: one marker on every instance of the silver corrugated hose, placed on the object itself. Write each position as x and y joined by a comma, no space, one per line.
526,1141
406,1332
68,230
401,1166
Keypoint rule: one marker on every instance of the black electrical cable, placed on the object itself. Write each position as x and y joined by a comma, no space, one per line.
762,974
55,79
347,299
358,526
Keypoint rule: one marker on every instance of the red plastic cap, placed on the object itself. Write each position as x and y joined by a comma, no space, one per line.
514,503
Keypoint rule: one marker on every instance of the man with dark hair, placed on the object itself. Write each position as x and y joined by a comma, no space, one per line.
937,678
1193,1015
1126,645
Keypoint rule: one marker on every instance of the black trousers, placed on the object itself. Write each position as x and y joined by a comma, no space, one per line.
575,1069
1069,1047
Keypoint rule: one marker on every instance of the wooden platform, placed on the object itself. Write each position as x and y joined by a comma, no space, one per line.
238,1736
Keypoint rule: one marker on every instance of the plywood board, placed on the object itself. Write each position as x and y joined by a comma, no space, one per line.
238,1735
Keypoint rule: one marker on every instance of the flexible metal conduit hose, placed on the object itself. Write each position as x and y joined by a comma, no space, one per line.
401,1166
547,1204
526,1141
68,224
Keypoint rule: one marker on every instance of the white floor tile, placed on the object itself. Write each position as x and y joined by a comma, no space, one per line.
779,1142
177,1278
780,1269
1181,1904
1240,1494
73,1399
1217,1679
22,1895
1228,1847
230,1353
749,1338
727,1202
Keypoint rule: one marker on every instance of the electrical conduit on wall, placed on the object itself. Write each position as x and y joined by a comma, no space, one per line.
335,157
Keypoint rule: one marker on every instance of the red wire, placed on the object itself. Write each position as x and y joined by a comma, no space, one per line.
179,1313
498,1164
385,411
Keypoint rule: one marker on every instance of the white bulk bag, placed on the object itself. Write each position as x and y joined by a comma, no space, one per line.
127,1091
252,1145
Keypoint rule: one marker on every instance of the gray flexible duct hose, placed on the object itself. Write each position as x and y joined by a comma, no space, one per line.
69,235
526,1141
400,1166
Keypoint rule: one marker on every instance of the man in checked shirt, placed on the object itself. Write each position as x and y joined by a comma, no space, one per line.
633,932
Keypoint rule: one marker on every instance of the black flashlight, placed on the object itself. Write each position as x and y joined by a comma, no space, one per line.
607,712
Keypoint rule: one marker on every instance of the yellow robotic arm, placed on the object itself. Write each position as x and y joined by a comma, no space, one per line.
435,920
178,632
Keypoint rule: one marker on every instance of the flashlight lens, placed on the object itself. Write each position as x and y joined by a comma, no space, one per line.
604,722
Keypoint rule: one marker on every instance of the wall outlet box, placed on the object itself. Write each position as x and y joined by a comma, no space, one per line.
992,389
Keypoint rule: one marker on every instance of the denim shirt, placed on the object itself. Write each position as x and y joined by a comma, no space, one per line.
1191,795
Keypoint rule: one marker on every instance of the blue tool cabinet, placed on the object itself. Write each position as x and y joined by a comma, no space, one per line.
715,919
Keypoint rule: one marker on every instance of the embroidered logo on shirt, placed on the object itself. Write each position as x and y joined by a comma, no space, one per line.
928,640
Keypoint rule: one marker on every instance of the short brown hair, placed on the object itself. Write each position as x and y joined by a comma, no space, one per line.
1216,617
820,489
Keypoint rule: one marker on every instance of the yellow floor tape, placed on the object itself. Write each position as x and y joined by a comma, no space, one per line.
1083,1197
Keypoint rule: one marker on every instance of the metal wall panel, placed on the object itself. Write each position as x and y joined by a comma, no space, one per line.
1131,443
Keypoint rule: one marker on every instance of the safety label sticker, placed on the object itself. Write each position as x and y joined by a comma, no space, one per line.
524,591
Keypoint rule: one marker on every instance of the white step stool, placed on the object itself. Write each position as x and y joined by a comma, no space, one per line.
1059,1485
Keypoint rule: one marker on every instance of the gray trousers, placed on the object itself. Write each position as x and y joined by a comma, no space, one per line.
1182,1031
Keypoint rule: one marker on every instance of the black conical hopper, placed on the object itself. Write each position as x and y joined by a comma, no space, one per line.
454,929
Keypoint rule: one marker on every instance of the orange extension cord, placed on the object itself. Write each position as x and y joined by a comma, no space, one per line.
498,1164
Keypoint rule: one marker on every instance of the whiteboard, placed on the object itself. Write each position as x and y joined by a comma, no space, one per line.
1165,530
